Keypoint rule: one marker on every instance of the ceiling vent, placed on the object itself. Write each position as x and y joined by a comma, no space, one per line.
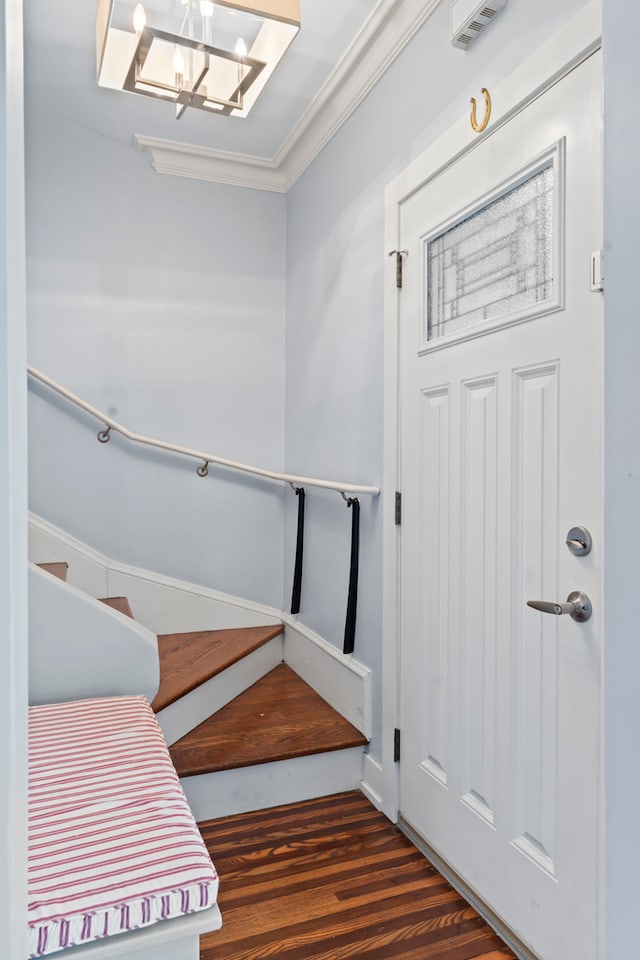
469,18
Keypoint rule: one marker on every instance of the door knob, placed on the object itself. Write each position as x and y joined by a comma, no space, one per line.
578,606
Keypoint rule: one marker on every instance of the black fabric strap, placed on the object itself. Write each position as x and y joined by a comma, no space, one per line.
297,570
352,599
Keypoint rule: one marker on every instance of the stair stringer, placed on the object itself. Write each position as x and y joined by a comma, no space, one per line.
163,604
87,567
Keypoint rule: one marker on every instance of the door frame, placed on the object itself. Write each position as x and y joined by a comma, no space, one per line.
13,490
570,46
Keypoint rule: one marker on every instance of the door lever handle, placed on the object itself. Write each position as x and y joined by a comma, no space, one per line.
544,606
578,606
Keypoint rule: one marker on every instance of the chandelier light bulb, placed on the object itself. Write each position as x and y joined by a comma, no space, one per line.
178,62
241,48
139,19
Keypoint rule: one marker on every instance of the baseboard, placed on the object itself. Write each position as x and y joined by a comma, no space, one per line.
520,949
341,680
372,783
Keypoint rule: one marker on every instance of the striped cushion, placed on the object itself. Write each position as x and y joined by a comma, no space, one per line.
113,845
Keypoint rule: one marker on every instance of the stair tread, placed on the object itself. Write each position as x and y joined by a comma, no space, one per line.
58,569
190,659
278,718
118,603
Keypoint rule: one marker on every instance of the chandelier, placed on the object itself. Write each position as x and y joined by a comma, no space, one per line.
215,57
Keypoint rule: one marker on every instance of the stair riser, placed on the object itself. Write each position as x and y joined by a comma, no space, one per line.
186,713
222,794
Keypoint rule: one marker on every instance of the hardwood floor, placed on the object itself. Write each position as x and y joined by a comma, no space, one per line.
333,879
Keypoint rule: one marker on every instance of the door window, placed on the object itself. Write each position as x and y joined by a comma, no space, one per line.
496,262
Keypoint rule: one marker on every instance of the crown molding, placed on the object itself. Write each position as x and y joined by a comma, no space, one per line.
386,32
220,166
384,36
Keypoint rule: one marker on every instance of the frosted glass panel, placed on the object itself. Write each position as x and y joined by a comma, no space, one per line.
496,262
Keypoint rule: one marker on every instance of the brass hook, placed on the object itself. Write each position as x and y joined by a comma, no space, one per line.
203,469
479,127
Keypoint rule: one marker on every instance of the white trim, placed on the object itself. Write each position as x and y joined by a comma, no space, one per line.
385,34
204,163
342,681
372,783
570,46
13,484
168,605
173,605
49,544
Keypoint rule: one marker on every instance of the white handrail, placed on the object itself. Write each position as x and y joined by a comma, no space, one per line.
206,458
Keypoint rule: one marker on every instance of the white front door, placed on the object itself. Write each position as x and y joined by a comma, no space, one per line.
501,455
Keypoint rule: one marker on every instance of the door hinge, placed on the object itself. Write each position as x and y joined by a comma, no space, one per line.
398,509
399,254
597,271
396,746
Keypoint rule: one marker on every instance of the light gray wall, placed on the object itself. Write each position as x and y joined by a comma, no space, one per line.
622,474
13,506
335,262
161,301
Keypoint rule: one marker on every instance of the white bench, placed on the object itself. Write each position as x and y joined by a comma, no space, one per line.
177,939
117,866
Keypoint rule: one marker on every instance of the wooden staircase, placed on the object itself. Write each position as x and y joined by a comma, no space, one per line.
245,731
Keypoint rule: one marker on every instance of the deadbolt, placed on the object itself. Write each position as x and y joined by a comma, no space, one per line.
579,541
